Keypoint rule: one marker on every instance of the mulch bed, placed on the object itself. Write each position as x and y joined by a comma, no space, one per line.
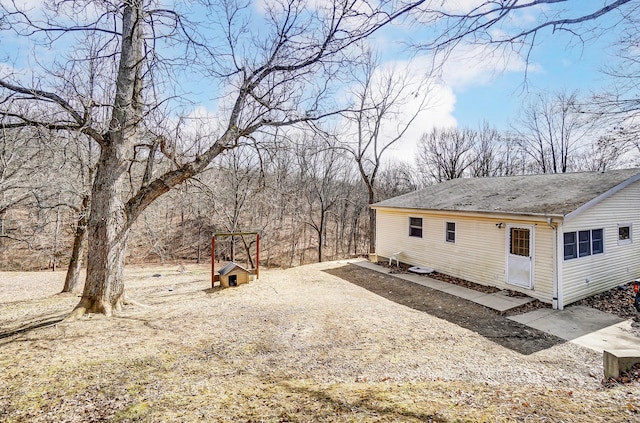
618,301
625,377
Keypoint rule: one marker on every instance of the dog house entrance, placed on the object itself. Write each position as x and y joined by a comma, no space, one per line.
233,280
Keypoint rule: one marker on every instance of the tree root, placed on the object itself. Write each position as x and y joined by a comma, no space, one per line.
129,301
88,305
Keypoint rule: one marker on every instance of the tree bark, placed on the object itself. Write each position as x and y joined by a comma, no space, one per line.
72,280
108,221
372,229
108,233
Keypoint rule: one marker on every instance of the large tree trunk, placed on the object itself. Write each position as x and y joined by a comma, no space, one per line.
108,220
72,280
108,233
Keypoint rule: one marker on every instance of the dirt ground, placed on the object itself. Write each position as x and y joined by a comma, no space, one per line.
466,314
325,342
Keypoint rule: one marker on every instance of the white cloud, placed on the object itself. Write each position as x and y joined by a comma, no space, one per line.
463,6
481,65
440,102
467,66
439,115
24,4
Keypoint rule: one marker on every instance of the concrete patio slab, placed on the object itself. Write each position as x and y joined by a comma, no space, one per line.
501,301
532,316
584,326
421,280
614,337
570,323
462,292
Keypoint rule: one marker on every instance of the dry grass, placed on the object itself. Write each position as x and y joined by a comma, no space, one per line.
296,345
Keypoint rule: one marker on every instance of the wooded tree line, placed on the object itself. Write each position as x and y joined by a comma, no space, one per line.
304,191
112,111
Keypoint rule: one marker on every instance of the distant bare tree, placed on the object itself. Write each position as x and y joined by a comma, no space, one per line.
239,176
607,152
20,174
446,154
397,178
552,130
388,102
487,151
325,173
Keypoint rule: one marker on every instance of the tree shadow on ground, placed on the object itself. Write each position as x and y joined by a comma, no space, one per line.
38,323
464,313
369,403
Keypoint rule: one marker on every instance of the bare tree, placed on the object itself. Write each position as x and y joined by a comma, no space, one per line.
325,172
446,154
281,77
83,156
388,103
490,22
551,130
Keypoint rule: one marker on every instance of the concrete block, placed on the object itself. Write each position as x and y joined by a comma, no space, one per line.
616,361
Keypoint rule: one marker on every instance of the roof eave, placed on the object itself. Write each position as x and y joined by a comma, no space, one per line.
473,212
591,203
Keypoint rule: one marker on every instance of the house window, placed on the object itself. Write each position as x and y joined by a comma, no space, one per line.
570,246
583,243
520,242
597,241
624,234
415,227
451,232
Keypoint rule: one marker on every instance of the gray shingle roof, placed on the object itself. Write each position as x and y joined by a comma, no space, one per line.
229,267
549,194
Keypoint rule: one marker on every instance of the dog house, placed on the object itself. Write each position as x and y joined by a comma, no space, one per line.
232,274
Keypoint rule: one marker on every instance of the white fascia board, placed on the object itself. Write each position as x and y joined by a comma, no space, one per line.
497,215
591,203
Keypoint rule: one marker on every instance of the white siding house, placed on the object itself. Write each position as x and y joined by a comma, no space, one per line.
556,237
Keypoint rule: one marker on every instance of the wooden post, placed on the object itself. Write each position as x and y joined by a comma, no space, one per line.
257,256
213,260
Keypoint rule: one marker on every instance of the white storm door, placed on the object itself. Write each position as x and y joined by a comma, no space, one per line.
520,256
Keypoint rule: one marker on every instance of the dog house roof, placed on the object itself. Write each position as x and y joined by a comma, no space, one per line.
229,267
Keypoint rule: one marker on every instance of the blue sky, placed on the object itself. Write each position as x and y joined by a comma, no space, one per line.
476,89
554,66
482,87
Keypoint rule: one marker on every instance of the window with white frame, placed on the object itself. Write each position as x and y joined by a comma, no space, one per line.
450,232
624,234
415,227
583,243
